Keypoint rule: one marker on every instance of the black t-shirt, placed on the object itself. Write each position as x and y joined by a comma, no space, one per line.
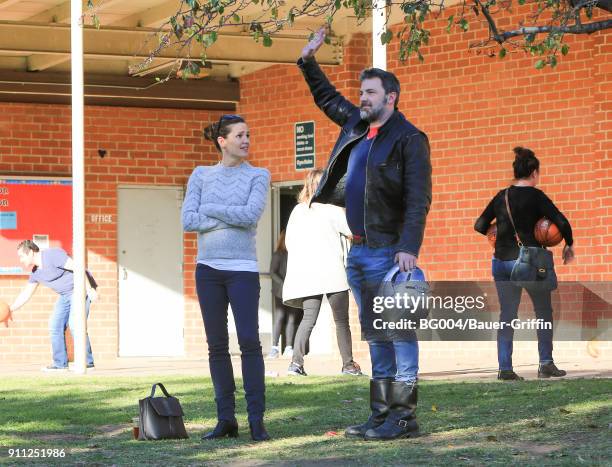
528,205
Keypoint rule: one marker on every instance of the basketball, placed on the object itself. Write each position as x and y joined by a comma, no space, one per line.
5,311
547,233
492,234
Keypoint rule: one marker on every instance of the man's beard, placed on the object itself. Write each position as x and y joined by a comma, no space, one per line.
372,114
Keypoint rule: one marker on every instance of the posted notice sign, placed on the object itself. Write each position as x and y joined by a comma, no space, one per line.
304,145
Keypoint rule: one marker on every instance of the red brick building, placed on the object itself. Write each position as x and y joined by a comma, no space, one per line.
474,108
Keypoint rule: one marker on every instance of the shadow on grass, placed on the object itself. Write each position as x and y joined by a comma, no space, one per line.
306,417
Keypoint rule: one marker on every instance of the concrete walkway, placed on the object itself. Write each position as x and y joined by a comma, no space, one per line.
430,369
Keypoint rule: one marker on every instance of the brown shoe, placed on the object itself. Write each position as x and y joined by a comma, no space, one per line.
509,375
549,370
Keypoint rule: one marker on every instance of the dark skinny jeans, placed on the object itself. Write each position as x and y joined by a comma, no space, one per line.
216,289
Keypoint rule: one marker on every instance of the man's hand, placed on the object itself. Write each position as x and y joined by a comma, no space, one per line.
406,261
8,318
315,44
568,254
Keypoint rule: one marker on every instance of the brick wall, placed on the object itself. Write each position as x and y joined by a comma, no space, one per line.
153,147
474,109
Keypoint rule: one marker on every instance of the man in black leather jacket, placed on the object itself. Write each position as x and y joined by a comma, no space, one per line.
380,171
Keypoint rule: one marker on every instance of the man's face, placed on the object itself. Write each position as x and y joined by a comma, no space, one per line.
27,259
372,99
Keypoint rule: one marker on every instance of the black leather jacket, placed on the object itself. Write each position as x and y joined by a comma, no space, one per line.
398,173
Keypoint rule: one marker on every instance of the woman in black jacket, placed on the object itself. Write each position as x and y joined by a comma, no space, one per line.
528,205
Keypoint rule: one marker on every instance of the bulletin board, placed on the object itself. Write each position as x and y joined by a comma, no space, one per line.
32,208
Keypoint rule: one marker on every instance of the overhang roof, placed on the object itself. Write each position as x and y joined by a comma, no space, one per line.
35,48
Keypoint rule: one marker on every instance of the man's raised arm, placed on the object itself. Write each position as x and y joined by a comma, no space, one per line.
325,95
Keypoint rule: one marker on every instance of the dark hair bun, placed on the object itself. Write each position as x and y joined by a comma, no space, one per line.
210,132
525,162
521,152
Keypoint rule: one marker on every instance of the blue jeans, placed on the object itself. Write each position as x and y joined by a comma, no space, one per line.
59,319
509,301
390,360
216,290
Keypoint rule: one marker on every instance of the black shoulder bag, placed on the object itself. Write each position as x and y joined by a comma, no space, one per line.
161,417
534,269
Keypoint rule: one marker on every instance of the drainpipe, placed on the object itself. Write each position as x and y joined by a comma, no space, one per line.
379,51
78,186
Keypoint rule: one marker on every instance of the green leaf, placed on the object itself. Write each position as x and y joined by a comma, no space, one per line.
89,3
565,49
236,18
450,23
386,37
463,24
553,61
267,40
540,64
96,21
337,4
502,53
178,31
521,2
209,39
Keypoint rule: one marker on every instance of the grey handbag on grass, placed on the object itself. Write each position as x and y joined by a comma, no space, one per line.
534,268
160,417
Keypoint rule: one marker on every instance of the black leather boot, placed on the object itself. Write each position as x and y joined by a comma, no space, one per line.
379,395
223,428
401,421
258,431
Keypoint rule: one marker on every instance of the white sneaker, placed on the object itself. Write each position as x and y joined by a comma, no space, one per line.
288,353
54,369
274,352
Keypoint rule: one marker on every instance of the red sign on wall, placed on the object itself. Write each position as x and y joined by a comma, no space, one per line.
33,209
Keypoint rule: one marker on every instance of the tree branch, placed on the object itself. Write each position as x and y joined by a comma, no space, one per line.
492,25
588,28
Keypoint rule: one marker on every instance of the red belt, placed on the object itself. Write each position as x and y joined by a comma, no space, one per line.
359,240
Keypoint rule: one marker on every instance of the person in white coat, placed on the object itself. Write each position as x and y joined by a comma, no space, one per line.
315,267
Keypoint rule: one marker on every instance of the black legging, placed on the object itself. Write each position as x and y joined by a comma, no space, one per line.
281,313
339,302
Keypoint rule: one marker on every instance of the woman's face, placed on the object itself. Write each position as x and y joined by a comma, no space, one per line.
236,143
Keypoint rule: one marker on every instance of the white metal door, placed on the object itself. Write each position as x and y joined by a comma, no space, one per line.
150,260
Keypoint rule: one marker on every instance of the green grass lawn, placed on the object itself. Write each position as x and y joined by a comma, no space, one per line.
561,422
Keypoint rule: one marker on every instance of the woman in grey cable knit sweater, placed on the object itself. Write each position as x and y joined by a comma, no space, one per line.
223,204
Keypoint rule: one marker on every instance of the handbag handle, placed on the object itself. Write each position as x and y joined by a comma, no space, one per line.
161,386
394,275
516,235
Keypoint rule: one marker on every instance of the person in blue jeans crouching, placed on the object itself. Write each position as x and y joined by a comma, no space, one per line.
380,170
54,268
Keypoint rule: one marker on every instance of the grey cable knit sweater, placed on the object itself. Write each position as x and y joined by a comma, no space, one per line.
223,204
